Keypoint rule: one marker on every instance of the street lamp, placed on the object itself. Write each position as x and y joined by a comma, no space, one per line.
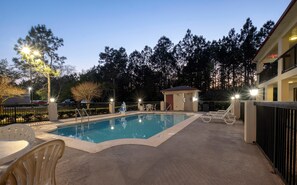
30,90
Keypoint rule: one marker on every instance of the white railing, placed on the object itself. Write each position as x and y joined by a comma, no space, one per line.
78,112
86,113
81,114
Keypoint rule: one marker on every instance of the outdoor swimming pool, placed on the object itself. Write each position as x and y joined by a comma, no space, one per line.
140,126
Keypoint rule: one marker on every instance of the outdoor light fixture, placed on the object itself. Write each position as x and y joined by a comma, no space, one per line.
294,35
195,99
254,92
237,96
111,100
52,100
139,100
232,97
29,88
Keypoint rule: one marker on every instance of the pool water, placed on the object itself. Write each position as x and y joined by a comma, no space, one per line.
139,126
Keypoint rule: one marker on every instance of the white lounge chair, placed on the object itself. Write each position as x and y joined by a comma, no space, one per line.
220,111
226,116
15,132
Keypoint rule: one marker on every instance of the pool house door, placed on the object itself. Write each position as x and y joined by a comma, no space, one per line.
169,101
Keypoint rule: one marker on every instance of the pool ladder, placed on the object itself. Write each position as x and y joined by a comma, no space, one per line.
81,114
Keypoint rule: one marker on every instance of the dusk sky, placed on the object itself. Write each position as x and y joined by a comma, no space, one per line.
87,26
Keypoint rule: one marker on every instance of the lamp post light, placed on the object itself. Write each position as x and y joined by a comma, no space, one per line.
254,93
30,91
237,96
52,100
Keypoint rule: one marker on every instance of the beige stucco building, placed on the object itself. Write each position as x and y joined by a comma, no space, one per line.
181,98
277,59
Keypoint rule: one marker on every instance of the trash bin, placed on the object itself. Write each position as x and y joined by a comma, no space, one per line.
205,107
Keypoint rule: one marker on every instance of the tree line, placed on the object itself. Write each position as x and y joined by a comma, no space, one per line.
215,67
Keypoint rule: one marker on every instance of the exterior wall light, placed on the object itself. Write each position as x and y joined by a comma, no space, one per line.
139,100
237,96
232,97
111,100
52,100
294,35
195,99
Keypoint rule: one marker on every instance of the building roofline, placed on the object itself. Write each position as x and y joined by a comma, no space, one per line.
275,27
180,88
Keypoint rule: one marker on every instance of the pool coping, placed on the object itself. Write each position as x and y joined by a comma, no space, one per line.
154,141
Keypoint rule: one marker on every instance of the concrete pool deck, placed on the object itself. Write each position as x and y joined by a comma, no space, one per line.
206,154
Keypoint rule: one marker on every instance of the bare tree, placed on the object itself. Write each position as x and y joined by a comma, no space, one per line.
86,91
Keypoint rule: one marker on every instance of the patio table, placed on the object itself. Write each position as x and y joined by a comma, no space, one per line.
11,150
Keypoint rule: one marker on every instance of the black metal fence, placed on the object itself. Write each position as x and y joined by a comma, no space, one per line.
25,113
68,110
276,136
22,113
242,111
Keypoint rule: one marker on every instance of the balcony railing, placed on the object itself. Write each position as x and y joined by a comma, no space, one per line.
269,72
289,62
289,59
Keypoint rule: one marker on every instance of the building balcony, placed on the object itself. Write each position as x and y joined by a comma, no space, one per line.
269,72
289,59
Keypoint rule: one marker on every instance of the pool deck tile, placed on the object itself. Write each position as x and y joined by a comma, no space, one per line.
200,154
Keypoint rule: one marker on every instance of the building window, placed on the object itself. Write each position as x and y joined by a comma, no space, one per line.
295,94
263,93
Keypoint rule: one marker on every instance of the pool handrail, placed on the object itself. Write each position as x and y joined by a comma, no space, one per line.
86,113
77,111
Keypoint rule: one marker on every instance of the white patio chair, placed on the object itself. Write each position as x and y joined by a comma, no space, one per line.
36,167
15,132
227,117
220,111
149,107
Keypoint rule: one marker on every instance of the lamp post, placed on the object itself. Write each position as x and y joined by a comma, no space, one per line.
111,105
30,91
254,93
